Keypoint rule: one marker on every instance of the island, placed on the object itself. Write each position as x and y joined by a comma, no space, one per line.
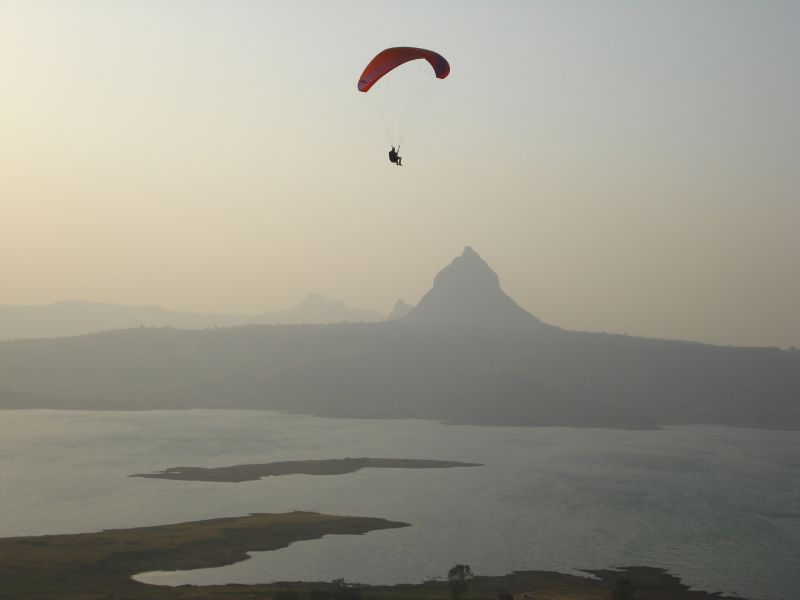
333,466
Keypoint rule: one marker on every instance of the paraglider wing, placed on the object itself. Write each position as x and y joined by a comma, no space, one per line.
391,58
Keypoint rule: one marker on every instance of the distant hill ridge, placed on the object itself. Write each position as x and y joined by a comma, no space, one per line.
466,354
79,317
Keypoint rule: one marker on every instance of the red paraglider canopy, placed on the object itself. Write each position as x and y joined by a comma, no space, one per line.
388,59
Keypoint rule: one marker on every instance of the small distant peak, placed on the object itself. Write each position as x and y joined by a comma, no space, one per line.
400,310
469,251
318,309
319,301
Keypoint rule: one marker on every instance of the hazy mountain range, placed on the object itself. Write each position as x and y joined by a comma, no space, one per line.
467,353
77,317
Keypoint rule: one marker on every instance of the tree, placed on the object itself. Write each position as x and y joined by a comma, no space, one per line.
345,591
458,577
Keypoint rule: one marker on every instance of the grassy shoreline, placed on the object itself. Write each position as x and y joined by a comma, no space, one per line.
100,565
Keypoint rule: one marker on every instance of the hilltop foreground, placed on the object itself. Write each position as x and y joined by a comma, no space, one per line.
466,354
91,566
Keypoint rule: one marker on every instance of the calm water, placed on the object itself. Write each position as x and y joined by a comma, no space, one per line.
718,506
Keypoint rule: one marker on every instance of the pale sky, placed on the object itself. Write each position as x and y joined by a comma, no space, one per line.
625,166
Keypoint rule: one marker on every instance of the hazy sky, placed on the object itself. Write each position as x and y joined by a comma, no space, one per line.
624,166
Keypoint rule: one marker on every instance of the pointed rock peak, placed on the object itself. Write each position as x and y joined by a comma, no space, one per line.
467,294
400,310
468,270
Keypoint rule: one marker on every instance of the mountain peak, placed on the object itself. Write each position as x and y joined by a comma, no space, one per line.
319,302
469,272
400,310
318,309
467,293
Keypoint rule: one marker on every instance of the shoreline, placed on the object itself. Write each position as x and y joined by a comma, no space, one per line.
97,406
103,564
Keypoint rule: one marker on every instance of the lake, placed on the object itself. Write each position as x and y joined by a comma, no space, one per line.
717,506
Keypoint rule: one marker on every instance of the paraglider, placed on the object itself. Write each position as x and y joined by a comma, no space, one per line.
399,93
395,157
